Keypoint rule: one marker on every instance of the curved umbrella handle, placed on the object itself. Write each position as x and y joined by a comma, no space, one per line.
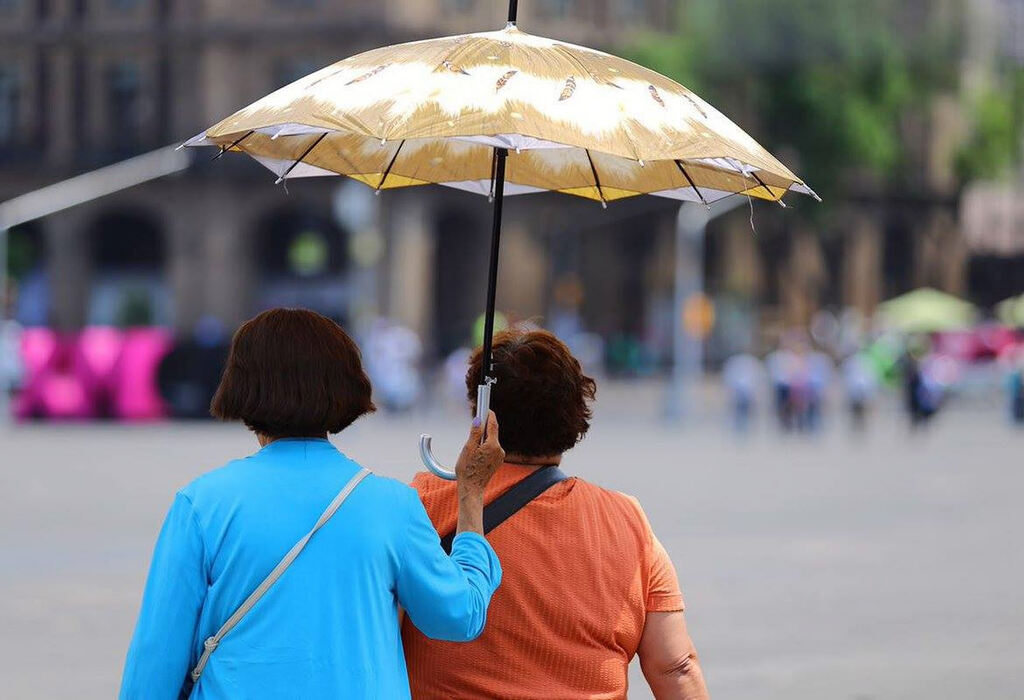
483,405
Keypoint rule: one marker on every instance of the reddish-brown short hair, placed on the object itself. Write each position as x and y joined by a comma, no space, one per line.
293,373
541,398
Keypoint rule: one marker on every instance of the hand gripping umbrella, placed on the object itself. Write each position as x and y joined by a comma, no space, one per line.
499,113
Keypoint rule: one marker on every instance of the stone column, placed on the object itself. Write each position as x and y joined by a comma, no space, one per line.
941,255
185,268
60,136
69,263
805,275
862,266
741,268
522,272
410,259
227,259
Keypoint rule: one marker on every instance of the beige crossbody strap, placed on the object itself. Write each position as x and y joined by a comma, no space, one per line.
211,643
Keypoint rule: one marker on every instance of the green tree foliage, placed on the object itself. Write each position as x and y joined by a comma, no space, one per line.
834,82
993,149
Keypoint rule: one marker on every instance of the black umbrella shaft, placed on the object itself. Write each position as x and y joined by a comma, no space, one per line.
513,10
500,154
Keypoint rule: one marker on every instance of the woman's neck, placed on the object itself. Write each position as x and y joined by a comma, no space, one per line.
530,461
265,440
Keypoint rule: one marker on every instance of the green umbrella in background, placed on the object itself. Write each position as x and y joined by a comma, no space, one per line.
1011,311
927,310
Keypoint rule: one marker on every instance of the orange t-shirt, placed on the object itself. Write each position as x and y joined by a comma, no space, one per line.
581,570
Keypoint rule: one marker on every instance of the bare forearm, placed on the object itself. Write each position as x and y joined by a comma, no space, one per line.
471,510
481,456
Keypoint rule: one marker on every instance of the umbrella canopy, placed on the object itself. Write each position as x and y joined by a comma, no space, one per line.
579,121
927,310
502,111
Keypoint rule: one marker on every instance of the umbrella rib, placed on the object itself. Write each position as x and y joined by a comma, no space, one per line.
390,165
597,180
237,141
679,164
770,193
304,154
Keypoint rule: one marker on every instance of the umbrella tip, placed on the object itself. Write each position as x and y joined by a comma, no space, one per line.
641,162
278,181
782,204
604,204
180,146
376,192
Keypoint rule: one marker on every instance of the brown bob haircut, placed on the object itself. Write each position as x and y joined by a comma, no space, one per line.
293,373
541,397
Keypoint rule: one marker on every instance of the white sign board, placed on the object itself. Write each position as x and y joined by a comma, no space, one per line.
992,218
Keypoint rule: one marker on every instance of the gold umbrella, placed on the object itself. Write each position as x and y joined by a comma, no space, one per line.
500,113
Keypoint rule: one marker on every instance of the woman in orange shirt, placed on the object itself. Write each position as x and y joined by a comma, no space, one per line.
587,584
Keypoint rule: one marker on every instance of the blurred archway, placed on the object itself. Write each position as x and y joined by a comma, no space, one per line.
128,286
460,278
302,260
30,283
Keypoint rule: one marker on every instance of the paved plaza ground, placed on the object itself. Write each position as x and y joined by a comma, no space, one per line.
836,567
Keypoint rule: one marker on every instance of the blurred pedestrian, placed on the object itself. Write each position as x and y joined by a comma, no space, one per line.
859,385
743,376
782,370
1013,360
818,371
921,396
587,583
393,355
12,369
329,627
189,374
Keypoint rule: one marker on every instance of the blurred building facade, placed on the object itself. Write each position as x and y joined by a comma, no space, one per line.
929,229
84,83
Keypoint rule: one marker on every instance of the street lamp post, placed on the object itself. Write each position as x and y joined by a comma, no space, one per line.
687,347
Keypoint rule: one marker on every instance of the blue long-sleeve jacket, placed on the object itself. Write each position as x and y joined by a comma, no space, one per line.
329,627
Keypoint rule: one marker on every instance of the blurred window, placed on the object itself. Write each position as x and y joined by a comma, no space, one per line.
288,70
457,7
634,11
558,9
308,254
300,245
128,286
1014,38
302,259
10,106
124,106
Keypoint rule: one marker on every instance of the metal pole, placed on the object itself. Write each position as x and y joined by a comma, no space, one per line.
492,276
687,350
513,10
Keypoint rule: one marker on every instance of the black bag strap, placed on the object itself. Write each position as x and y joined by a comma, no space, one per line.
512,501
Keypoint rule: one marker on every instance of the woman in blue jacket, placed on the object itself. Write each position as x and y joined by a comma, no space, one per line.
328,627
